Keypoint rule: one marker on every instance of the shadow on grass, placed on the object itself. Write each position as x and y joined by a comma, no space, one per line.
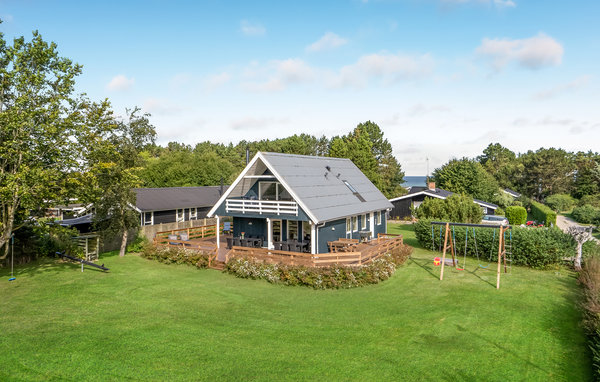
422,265
506,350
46,265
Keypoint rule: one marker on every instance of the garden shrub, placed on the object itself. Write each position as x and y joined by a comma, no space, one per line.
139,244
516,215
534,247
560,202
333,277
586,214
589,278
456,208
177,255
500,211
592,200
543,213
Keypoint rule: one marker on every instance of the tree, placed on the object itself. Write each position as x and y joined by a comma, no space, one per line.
467,176
501,163
546,172
39,116
112,164
587,174
456,208
580,235
560,202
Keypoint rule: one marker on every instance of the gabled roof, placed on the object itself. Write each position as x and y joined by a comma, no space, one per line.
318,185
437,193
170,198
512,193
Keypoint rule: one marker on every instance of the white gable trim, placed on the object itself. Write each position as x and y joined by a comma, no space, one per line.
260,156
232,187
407,196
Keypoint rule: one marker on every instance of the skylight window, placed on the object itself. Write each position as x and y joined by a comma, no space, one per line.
351,187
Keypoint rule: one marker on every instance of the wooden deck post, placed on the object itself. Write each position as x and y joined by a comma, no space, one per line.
500,254
217,233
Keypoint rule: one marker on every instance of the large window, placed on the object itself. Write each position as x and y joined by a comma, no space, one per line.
363,224
180,215
292,230
348,225
378,217
148,218
354,223
193,213
306,231
272,191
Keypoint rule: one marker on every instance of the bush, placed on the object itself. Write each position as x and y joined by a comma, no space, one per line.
139,244
516,215
500,211
534,247
560,202
586,214
333,277
542,213
177,255
589,278
592,200
456,208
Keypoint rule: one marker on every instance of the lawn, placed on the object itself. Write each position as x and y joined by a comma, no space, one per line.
149,321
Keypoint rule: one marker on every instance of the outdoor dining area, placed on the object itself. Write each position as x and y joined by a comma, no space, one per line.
260,242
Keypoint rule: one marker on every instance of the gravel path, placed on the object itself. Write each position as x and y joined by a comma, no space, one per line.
564,223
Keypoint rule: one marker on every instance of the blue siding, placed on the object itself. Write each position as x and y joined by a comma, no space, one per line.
381,228
331,231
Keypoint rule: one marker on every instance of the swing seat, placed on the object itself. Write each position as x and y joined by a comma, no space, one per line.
12,279
486,267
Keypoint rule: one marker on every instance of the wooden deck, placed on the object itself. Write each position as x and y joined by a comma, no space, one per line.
347,252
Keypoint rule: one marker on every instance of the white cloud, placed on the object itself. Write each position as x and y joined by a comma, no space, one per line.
253,123
422,109
6,18
383,67
564,88
217,80
504,3
252,29
160,106
280,74
120,83
532,53
328,41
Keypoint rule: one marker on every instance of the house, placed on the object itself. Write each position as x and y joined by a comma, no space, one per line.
512,193
416,196
310,199
161,205
175,204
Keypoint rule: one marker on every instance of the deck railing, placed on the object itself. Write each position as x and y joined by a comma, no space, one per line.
162,238
275,207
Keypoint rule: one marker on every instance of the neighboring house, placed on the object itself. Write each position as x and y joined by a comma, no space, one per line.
162,205
512,193
296,197
175,204
69,211
416,196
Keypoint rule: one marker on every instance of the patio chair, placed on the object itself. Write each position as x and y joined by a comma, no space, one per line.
237,242
184,237
173,237
229,242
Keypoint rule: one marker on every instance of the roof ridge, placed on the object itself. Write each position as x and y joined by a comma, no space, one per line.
171,188
303,156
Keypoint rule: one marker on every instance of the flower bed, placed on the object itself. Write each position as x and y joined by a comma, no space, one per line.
332,277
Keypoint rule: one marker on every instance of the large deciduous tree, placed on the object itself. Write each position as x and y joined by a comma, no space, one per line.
112,164
467,176
501,163
38,120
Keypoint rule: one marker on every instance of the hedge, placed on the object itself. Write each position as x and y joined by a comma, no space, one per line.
586,214
534,247
542,213
516,215
333,277
589,278
175,255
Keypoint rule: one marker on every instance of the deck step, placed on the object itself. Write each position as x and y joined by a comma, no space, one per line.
218,265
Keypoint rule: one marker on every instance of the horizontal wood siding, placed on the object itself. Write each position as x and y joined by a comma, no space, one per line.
257,228
331,231
382,228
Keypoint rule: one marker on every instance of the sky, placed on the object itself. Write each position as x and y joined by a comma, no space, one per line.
442,78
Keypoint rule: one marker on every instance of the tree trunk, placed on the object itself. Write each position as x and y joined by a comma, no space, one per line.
577,262
123,243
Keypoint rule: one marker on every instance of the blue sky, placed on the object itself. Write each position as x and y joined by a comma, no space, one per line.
442,78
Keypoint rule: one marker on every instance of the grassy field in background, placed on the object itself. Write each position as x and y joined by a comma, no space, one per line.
149,321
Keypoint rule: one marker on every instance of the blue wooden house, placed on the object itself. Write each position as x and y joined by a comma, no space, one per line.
308,199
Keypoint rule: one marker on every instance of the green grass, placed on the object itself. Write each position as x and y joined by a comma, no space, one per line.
149,321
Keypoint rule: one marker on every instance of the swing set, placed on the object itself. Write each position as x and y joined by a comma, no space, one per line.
450,244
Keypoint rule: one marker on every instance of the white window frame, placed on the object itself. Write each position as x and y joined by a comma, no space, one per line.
193,213
354,223
179,219
363,223
378,217
151,222
348,225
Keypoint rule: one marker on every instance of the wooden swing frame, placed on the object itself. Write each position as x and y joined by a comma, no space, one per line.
501,246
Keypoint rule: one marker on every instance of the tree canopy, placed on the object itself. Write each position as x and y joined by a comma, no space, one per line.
466,176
